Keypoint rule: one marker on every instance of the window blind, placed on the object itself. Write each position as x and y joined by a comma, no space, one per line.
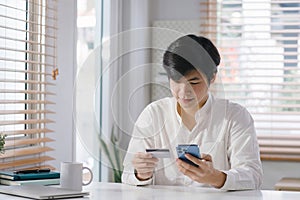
259,45
27,69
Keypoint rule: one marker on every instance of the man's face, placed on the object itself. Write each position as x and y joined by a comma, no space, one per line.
191,91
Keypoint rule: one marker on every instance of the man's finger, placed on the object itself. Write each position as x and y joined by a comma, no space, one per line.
188,166
145,164
144,170
143,155
146,160
195,160
206,157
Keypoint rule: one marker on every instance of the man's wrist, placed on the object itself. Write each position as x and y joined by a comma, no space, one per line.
219,180
140,178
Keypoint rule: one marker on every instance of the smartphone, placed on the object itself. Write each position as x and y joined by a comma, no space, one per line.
192,149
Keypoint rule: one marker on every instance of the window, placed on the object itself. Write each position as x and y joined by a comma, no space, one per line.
27,70
87,86
259,44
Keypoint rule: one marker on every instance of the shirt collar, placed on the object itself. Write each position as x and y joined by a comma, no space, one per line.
204,111
176,111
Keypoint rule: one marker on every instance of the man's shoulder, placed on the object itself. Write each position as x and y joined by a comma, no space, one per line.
230,107
164,103
228,103
156,110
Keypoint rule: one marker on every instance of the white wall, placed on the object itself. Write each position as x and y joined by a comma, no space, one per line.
63,128
275,170
175,9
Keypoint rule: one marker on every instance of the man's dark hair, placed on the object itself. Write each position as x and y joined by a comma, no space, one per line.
188,53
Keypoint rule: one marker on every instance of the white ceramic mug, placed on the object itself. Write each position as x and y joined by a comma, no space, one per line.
71,175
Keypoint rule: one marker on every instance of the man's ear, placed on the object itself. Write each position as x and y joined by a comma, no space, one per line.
213,78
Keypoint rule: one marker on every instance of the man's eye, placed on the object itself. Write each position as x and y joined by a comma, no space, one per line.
194,83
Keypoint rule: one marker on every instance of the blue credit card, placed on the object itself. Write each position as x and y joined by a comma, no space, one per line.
192,149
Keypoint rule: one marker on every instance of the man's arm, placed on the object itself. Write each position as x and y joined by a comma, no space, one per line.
243,153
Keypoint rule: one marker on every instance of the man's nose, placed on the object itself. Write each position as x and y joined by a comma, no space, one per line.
185,90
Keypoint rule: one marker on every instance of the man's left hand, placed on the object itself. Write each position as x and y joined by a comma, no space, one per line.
204,173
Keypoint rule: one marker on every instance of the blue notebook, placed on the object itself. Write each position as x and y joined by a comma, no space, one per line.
29,176
51,181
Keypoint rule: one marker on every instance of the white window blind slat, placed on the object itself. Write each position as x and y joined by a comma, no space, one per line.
27,92
260,68
25,102
277,113
28,131
23,71
28,162
25,81
7,38
7,112
27,58
27,51
29,121
27,61
27,151
11,9
30,141
15,29
29,22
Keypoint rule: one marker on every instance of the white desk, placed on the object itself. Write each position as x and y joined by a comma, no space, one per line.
115,191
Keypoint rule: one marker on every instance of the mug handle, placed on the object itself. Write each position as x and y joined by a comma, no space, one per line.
83,168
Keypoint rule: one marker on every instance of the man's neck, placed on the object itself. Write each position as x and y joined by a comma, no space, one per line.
188,115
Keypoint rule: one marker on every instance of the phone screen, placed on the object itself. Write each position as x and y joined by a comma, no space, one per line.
192,149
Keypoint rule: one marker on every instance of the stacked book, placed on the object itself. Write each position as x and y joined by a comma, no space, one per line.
26,177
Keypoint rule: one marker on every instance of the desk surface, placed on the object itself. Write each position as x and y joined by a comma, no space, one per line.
111,191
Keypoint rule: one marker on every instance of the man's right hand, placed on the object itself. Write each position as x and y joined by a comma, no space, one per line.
144,164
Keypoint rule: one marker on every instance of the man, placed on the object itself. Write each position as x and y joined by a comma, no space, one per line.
223,130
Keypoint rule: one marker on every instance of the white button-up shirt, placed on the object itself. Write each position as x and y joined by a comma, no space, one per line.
223,129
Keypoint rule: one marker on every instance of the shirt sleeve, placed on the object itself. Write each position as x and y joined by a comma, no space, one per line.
243,152
140,140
